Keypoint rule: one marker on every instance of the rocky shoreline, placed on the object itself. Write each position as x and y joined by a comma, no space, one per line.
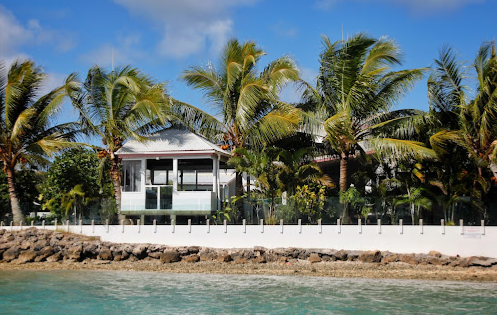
44,249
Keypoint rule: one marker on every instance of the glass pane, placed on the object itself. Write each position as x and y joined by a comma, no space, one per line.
166,197
204,180
160,177
151,198
187,180
131,180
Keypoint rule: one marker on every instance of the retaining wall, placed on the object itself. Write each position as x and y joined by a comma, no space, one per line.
449,240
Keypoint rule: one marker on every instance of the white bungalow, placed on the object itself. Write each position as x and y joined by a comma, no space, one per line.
175,173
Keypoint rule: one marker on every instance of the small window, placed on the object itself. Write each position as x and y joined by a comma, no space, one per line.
131,176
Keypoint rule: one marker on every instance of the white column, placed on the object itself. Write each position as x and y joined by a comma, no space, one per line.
175,176
218,183
143,173
215,174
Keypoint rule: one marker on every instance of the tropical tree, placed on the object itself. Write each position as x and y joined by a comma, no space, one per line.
27,134
461,123
247,109
356,89
119,105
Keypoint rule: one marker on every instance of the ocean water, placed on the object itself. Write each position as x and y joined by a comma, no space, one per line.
123,292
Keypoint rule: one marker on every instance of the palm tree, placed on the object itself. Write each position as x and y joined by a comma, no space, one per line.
248,113
355,91
120,105
26,131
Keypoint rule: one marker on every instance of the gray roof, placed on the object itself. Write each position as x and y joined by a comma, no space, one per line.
171,141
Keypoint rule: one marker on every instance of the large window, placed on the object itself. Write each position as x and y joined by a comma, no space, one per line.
195,175
131,181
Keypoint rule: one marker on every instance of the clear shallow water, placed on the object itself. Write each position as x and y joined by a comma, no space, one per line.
116,292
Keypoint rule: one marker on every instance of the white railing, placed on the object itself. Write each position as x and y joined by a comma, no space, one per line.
449,240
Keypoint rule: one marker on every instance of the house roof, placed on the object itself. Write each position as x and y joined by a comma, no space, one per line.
171,141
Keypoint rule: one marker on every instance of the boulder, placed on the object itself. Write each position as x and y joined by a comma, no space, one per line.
193,250
140,251
40,244
44,253
341,255
390,258
105,254
434,253
55,257
259,260
314,258
240,261
409,259
192,258
434,261
75,252
27,256
481,262
155,255
224,257
170,256
370,256
11,253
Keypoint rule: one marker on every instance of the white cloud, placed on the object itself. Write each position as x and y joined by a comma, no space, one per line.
15,36
124,52
188,26
415,6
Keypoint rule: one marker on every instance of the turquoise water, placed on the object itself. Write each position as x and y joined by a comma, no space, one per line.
120,292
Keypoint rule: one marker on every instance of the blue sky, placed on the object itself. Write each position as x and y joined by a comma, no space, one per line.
163,37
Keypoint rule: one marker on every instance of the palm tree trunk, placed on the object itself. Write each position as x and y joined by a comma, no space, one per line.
239,193
116,181
17,215
343,186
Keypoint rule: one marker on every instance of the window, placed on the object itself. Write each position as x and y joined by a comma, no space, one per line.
131,181
195,175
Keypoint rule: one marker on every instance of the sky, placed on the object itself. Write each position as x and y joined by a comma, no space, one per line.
165,37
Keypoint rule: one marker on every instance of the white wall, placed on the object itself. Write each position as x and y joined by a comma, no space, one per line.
413,239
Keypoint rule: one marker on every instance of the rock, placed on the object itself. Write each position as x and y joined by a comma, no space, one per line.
341,255
155,255
118,257
240,261
282,260
481,262
44,253
434,253
390,258
222,257
11,253
170,256
90,249
192,258
55,257
75,252
193,250
259,260
370,256
133,258
105,254
27,256
40,244
409,259
434,261
140,251
259,249
314,258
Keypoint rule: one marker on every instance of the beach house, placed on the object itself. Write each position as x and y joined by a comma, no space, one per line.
175,173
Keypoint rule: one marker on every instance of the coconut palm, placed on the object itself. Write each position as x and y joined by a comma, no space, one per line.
119,105
247,111
27,134
474,124
355,91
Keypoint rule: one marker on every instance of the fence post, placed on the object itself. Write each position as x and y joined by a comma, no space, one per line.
155,226
11,224
189,225
43,224
442,226
359,223
1,224
107,223
173,224
138,222
379,226
482,227
225,226
300,226
20,224
244,222
32,223
81,226
262,225
122,224
208,223
281,226
67,224
401,226
339,225
55,224
93,226
421,226
320,226
461,224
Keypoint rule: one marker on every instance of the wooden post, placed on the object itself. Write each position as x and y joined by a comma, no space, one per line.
281,226
421,226
262,225
379,226
320,226
244,222
300,226
442,226
401,226
339,226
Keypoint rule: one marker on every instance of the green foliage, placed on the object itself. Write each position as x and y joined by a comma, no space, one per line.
73,168
310,201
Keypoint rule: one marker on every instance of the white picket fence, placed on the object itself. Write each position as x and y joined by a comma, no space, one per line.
449,240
